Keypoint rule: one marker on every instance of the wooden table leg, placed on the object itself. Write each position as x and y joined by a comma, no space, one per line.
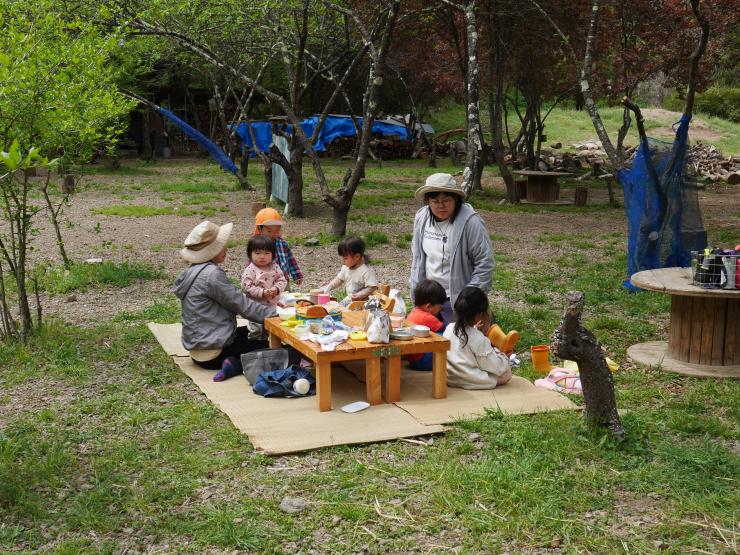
439,375
275,342
393,380
323,385
373,381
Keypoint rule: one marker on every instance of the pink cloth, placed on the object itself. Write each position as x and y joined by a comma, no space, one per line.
255,282
562,380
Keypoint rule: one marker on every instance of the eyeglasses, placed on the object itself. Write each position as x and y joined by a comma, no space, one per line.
441,202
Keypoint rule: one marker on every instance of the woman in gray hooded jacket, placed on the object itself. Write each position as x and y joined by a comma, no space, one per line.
450,244
210,304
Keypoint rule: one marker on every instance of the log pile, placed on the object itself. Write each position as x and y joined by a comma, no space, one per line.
386,148
709,163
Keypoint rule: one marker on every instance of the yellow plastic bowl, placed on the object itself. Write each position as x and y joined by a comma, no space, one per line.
357,335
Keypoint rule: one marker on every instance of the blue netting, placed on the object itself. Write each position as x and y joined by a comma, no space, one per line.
664,221
334,127
213,149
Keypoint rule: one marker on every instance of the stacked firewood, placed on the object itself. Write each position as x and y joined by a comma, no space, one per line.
709,162
341,146
391,148
386,148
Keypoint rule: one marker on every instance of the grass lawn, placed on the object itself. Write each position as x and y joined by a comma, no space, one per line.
567,126
105,446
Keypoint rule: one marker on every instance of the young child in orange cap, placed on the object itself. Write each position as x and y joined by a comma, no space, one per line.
268,222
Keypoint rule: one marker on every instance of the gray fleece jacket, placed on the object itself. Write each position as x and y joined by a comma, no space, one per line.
210,303
471,259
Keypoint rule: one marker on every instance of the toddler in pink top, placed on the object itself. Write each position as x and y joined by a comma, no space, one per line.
263,280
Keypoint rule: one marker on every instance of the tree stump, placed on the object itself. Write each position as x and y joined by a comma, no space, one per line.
572,341
581,196
67,185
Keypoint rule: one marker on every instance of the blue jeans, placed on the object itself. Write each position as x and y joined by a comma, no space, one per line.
424,363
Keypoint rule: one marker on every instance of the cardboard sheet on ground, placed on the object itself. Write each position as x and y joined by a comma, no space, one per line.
168,336
278,426
519,396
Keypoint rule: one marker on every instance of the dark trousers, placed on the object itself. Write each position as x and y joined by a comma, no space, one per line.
242,344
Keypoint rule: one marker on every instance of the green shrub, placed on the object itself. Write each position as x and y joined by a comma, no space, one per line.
722,102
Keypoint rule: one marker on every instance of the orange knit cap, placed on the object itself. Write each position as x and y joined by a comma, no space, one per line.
267,216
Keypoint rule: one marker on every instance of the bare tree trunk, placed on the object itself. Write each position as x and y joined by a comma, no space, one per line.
229,146
9,328
495,103
585,79
473,168
147,148
572,341
623,130
54,217
342,200
695,57
295,187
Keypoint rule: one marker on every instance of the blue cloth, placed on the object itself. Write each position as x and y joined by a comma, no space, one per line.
279,383
213,149
333,128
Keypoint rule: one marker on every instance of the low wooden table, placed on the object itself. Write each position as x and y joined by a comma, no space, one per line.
704,330
372,354
543,187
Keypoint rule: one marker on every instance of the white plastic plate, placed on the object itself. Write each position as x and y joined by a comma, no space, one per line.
357,406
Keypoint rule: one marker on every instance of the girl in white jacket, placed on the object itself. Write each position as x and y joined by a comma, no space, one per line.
472,362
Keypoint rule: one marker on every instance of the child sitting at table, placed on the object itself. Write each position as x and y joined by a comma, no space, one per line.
356,275
268,222
262,281
429,296
472,362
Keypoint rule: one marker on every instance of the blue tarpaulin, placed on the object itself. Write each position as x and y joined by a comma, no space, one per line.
213,149
334,127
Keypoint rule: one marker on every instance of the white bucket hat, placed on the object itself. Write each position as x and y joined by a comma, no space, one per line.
439,183
205,241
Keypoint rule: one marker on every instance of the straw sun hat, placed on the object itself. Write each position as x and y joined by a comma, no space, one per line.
205,241
439,183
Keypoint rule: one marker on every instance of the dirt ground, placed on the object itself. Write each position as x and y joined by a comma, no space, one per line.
156,240
700,130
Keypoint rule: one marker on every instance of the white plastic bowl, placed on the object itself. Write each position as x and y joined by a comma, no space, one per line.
286,313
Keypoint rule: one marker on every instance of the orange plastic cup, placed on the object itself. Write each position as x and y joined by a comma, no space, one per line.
541,358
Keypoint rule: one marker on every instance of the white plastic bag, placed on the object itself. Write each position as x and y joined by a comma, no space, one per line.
399,307
378,326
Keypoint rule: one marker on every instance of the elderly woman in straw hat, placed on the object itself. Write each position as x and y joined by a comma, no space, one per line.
210,304
450,244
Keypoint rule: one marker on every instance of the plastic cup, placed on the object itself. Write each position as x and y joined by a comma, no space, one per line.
323,298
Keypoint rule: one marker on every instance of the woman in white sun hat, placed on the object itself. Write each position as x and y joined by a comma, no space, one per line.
210,304
450,244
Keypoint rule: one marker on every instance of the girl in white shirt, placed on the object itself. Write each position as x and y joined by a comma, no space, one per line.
356,275
472,362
